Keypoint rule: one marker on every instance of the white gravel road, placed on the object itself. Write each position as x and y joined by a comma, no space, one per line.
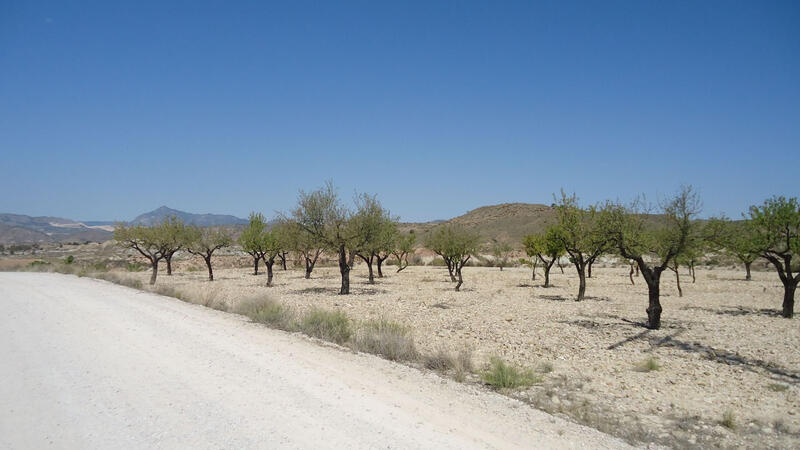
89,364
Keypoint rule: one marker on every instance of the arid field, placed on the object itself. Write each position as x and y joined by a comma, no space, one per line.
724,370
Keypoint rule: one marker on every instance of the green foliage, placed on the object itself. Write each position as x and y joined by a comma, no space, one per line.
69,259
38,263
331,326
135,267
648,365
205,241
452,243
660,243
500,252
251,238
502,375
732,237
774,228
547,246
583,232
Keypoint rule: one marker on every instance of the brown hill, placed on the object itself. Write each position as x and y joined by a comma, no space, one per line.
506,222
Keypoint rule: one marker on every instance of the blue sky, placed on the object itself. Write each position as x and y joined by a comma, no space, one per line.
110,109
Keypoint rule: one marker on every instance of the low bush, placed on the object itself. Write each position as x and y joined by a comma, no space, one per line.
69,259
262,309
135,267
648,365
501,375
391,340
728,420
331,326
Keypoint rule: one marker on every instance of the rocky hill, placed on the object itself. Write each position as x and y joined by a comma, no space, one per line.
203,220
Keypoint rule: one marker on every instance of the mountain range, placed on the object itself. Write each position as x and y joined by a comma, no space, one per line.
507,222
22,229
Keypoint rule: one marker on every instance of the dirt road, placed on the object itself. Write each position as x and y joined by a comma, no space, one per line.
88,364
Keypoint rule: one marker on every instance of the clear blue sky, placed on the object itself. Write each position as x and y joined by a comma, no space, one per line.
109,110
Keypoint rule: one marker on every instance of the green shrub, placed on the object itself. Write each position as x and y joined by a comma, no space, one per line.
506,376
265,310
69,259
391,340
38,263
331,326
648,365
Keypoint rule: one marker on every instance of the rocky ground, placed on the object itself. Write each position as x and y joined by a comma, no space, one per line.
724,370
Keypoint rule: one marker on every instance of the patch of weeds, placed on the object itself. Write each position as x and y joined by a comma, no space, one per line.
388,339
272,313
331,326
443,361
135,267
777,387
69,259
648,365
502,375
728,420
168,291
545,367
99,266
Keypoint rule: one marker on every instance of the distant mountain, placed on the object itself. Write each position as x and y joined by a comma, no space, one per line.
21,229
203,220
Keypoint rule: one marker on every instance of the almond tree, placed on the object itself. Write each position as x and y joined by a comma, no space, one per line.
270,246
174,231
456,246
583,234
203,242
307,246
149,242
374,227
655,246
733,238
548,247
321,214
774,228
500,252
404,244
252,237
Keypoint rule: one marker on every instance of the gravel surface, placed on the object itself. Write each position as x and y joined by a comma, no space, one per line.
722,347
89,364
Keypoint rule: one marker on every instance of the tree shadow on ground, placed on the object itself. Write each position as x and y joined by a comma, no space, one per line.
313,290
736,311
555,298
721,356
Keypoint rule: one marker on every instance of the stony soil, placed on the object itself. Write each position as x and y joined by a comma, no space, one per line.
723,348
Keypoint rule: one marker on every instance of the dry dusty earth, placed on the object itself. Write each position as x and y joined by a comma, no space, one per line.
722,348
88,364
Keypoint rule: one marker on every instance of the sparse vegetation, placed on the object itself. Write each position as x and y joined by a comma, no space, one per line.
502,375
456,246
648,365
327,325
728,420
389,339
263,309
777,387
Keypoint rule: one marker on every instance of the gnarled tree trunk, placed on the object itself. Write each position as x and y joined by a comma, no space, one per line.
269,263
154,263
210,270
788,298
747,271
344,269
255,264
168,258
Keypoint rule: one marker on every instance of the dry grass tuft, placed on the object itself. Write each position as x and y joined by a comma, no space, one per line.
331,326
263,309
502,375
388,339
